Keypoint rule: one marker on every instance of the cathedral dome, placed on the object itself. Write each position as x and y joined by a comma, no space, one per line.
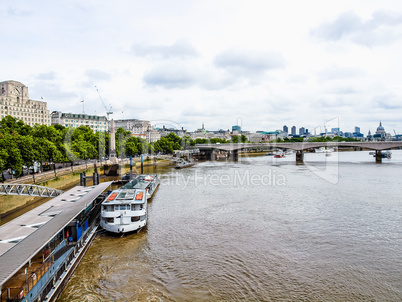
380,130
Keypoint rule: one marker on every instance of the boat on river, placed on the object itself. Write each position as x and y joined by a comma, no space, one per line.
40,249
324,150
279,155
126,209
148,182
184,164
384,154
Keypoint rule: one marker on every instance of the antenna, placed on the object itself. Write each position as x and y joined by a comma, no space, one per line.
108,111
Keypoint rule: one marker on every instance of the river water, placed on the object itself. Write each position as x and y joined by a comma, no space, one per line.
261,229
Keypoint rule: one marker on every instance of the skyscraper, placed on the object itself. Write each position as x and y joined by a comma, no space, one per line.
285,129
294,130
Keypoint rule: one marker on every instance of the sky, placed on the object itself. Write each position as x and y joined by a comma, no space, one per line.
183,63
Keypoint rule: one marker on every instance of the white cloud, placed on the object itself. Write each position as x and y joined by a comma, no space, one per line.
181,49
211,61
171,76
249,62
383,28
339,73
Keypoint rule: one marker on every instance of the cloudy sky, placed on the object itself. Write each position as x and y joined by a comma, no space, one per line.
260,64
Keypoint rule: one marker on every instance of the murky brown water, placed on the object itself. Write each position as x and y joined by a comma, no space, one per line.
259,230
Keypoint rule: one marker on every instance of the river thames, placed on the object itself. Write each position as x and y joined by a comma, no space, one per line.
261,229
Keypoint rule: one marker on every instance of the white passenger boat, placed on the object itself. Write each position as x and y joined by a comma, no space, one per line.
126,209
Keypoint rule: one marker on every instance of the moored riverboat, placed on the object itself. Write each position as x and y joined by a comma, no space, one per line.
184,164
124,210
40,249
147,182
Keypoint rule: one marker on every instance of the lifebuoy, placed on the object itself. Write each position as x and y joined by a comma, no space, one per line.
70,238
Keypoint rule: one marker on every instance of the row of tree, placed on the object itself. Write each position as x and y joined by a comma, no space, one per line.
22,145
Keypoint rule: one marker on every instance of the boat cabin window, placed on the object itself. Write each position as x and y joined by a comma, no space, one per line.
124,207
108,208
136,207
109,220
116,207
135,218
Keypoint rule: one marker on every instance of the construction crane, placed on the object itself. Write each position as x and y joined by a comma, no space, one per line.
108,111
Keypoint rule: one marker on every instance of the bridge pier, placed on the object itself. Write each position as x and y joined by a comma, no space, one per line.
378,156
299,157
235,155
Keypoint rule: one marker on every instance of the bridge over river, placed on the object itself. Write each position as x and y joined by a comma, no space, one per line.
299,147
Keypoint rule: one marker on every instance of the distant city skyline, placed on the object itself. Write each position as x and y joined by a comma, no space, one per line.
214,62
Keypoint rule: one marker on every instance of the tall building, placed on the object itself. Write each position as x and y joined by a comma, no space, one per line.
236,128
302,131
357,133
294,130
14,101
96,123
285,129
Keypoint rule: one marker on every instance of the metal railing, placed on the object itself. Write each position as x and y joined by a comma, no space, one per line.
28,190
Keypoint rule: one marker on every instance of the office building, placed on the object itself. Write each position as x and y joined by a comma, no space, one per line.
15,101
96,123
293,130
236,129
139,128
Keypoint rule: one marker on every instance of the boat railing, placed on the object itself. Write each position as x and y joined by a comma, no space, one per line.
17,293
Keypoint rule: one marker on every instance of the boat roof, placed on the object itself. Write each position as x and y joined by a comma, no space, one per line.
125,196
140,182
26,235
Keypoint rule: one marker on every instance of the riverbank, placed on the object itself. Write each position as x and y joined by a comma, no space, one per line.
12,206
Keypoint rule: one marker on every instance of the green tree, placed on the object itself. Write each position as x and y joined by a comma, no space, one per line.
243,138
235,139
26,146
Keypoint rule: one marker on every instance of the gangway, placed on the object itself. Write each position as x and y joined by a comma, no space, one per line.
28,190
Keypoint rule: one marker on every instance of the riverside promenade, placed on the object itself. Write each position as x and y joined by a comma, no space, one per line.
52,174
